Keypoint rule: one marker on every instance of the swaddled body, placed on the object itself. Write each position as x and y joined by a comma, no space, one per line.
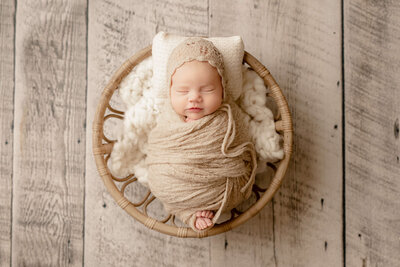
200,156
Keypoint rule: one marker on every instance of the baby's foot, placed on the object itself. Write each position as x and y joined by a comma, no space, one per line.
205,214
202,223
203,219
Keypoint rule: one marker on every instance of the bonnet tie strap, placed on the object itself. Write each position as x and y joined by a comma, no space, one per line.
240,149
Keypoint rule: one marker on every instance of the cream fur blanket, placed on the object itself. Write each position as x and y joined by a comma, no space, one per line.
206,164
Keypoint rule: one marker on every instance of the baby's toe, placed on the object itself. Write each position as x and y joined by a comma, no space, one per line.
198,213
208,222
209,214
203,225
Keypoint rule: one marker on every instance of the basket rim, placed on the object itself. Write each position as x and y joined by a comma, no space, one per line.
100,149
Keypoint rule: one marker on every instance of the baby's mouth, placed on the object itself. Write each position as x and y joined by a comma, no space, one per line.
195,109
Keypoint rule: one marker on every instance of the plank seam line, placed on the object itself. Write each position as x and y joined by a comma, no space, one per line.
273,230
343,138
86,122
12,132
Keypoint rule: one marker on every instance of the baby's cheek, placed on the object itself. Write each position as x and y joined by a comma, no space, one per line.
216,103
178,103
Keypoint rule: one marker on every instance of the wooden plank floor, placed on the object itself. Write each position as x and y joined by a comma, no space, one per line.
49,136
338,64
7,28
283,35
372,111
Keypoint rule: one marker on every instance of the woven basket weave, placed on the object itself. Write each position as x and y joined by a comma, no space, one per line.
102,148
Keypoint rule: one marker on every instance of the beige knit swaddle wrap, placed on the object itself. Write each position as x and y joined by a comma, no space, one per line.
206,164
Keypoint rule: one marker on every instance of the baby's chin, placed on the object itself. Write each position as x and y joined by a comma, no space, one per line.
192,117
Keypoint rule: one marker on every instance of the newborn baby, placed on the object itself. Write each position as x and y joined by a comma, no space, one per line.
196,91
200,162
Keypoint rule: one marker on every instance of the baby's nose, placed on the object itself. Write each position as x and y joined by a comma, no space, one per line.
194,96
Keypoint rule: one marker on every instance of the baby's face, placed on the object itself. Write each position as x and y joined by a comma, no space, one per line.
196,90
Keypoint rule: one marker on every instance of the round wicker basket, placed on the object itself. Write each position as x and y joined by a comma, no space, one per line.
102,148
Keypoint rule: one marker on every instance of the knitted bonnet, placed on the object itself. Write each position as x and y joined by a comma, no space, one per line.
196,48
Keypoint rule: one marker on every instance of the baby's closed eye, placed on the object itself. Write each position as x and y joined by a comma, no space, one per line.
181,90
208,89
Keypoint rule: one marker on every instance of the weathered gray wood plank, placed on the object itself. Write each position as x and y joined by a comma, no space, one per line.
7,12
300,43
118,29
49,154
372,109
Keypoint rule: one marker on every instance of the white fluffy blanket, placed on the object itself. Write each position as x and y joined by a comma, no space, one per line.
129,152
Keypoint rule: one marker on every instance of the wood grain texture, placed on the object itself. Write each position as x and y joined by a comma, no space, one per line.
300,43
49,151
372,108
117,30
7,12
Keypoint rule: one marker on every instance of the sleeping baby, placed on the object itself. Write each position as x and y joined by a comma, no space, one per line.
200,158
